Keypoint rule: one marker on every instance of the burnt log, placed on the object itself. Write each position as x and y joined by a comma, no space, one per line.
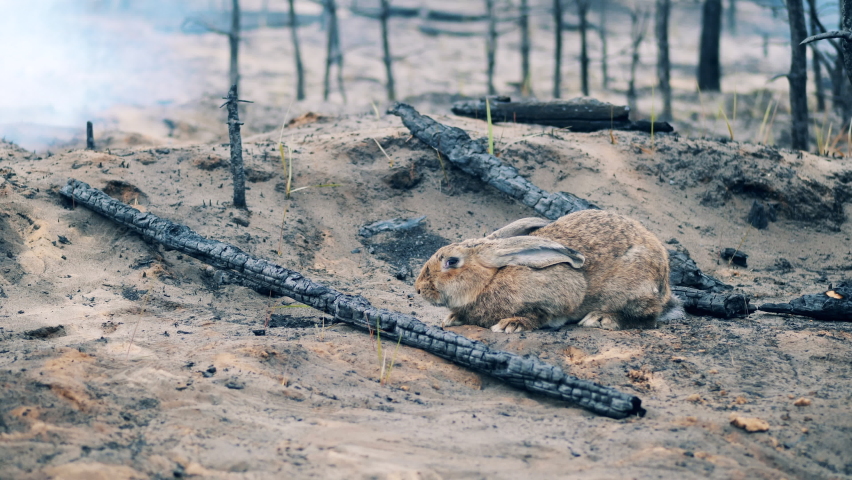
577,115
714,304
525,372
834,304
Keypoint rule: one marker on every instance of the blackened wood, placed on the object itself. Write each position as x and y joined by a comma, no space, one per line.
90,136
473,158
734,256
709,67
714,304
822,306
557,70
297,54
386,50
685,273
504,110
663,64
237,168
798,76
525,372
846,43
578,116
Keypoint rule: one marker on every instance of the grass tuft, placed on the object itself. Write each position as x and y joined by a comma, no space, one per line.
490,126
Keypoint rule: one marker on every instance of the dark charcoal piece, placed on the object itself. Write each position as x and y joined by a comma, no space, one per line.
685,273
525,372
46,332
735,256
719,304
834,304
277,320
758,216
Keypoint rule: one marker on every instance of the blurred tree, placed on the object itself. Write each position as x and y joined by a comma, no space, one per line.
663,64
333,54
582,13
557,71
816,57
297,54
709,69
798,75
602,4
524,23
638,27
385,13
491,44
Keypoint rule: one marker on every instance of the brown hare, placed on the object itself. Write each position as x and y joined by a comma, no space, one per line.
592,267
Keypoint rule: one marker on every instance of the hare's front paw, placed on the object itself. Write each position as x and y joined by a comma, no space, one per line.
599,320
513,325
451,321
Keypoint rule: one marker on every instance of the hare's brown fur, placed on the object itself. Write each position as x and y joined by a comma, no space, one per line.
620,281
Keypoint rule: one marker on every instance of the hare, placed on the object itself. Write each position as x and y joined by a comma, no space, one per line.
592,267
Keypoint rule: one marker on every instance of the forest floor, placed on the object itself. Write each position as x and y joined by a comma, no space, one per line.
119,359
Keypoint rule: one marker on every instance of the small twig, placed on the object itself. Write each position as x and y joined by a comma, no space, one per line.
90,137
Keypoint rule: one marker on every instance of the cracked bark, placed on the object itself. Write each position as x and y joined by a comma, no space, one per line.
525,372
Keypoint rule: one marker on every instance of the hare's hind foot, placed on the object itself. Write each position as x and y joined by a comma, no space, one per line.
599,320
514,325
452,320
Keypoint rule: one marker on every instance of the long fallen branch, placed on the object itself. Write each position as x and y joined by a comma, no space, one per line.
472,157
526,372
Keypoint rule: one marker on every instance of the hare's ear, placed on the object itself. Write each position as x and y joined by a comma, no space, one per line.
535,252
524,226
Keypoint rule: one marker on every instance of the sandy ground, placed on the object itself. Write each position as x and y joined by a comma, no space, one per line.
156,372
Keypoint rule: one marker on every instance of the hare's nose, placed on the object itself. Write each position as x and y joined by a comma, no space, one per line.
418,291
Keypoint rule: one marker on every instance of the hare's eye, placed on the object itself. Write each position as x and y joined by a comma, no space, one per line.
452,262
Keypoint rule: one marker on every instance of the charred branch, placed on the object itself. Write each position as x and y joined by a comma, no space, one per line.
834,304
721,305
526,372
578,116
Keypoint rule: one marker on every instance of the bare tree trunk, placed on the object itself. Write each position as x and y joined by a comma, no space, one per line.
816,57
798,75
732,16
334,54
663,64
237,168
491,44
264,13
582,12
709,69
638,24
525,47
602,34
557,71
297,53
387,56
234,41
846,26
